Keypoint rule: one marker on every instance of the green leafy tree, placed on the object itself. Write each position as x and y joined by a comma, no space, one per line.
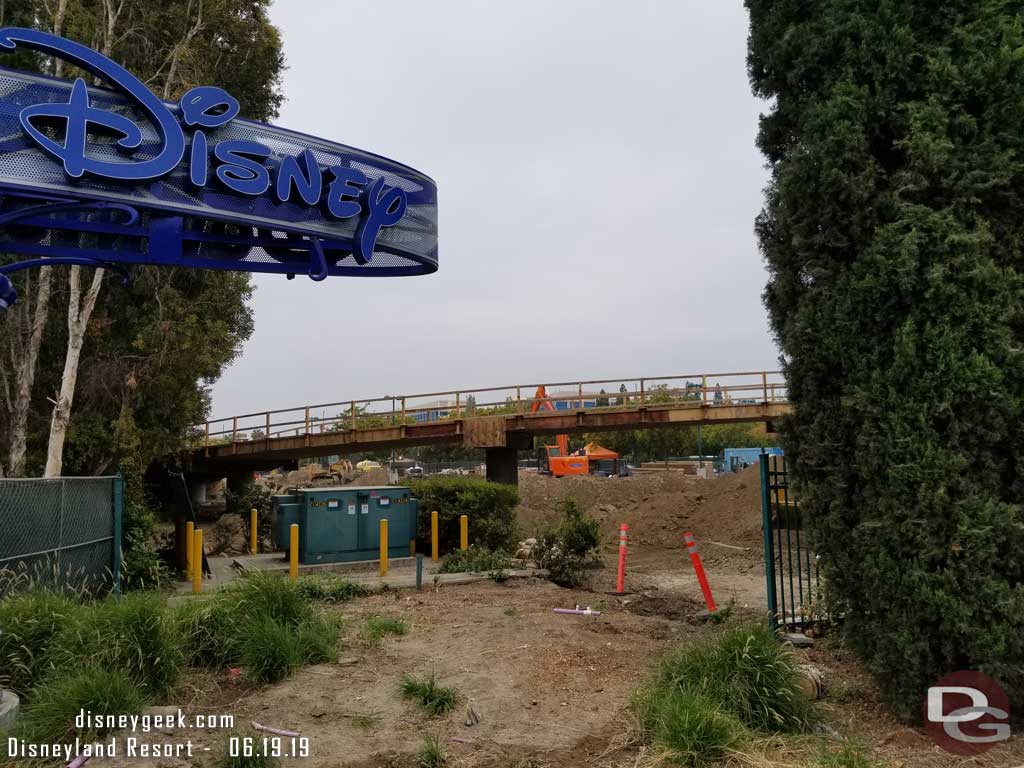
893,236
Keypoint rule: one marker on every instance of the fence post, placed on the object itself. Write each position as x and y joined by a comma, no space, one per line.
118,512
769,547
197,562
253,529
293,552
353,414
190,538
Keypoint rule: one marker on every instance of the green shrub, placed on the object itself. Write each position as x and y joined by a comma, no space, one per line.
748,673
318,640
567,550
270,650
331,589
475,559
366,720
692,728
376,628
135,635
50,715
432,752
29,622
491,508
265,595
210,630
432,698
141,566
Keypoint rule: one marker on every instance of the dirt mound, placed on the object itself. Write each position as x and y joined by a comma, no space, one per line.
658,508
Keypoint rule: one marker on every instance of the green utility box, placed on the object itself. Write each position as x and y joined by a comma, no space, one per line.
285,511
342,524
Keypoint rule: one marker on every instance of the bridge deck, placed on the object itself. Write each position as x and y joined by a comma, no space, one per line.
268,439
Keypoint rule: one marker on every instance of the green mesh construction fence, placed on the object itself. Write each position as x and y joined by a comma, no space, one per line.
61,533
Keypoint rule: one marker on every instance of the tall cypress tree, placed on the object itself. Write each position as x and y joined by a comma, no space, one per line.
893,232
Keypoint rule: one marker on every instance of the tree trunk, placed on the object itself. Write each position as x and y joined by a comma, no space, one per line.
79,312
26,376
26,367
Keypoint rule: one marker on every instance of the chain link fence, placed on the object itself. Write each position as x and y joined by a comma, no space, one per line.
61,533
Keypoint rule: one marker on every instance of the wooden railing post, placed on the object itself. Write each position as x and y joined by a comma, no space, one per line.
234,429
457,398
403,410
267,430
353,414
704,390
641,392
519,400
580,395
764,384
307,419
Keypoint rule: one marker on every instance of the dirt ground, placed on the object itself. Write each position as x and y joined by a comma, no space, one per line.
553,690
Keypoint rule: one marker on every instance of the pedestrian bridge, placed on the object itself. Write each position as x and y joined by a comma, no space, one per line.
501,420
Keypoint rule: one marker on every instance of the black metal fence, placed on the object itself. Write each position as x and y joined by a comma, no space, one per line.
64,532
790,565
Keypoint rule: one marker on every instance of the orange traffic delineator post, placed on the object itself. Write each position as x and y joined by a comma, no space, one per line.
620,582
691,547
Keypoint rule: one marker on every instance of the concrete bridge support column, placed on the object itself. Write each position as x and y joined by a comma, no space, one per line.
503,463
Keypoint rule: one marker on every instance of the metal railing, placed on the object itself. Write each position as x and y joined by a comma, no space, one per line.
707,390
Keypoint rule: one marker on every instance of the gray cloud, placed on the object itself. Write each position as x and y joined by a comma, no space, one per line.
598,182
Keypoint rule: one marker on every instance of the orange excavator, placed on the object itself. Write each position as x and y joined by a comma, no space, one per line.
557,461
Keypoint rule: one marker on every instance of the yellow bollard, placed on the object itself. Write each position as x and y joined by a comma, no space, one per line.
190,544
433,536
463,532
197,561
384,546
253,522
293,552
412,547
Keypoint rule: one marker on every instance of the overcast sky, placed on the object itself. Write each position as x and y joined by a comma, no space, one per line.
597,182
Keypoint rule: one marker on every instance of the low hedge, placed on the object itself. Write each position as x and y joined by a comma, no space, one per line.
491,508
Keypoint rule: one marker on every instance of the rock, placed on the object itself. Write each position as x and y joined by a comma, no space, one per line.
810,681
348,661
531,542
797,640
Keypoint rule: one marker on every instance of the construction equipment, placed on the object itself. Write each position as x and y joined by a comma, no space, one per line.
591,459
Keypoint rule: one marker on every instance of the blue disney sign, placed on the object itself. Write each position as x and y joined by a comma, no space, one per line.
108,177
